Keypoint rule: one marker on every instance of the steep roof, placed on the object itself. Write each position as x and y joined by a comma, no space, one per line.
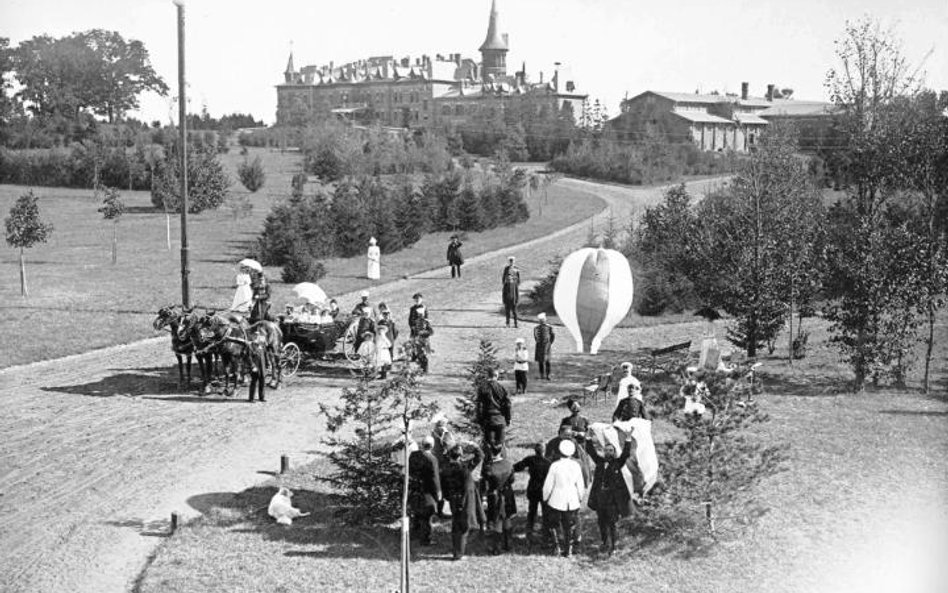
289,64
494,39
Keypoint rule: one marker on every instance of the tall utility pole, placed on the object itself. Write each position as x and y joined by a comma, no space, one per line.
183,142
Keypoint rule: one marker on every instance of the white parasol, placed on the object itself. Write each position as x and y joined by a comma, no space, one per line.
252,264
310,292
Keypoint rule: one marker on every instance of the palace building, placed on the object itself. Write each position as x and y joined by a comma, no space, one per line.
426,91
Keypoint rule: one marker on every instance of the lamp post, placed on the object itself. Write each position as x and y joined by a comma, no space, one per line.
183,141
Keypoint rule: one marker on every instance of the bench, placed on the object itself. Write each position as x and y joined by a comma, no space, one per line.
668,358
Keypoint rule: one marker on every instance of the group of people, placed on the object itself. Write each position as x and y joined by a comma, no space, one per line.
376,334
252,293
477,480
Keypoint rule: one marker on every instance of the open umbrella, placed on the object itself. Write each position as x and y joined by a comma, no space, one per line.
252,264
708,313
310,292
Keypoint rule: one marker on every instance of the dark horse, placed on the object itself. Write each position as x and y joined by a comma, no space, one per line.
171,317
227,335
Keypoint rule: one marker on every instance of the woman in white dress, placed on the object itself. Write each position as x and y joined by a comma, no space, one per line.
374,264
243,297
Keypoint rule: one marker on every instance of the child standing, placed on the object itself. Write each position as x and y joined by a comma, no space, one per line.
521,365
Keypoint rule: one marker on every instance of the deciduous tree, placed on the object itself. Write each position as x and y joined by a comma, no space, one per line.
112,209
24,229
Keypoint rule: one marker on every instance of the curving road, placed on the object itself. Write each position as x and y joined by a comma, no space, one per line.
98,449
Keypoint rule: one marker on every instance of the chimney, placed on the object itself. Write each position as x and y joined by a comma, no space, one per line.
457,60
541,76
744,88
770,92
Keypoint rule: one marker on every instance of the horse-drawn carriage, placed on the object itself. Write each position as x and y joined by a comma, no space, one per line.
316,340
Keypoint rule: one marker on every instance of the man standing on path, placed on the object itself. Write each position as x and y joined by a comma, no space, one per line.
424,489
493,409
455,259
511,290
537,466
544,337
417,312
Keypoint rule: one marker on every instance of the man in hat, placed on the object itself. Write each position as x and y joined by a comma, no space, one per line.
511,290
444,441
461,493
626,381
416,313
365,326
493,409
387,324
362,304
424,489
455,259
631,406
497,477
563,492
261,296
577,423
543,336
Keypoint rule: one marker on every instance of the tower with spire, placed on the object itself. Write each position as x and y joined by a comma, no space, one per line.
290,74
494,49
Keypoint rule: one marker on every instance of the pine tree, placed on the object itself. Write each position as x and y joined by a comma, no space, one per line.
466,405
716,464
469,210
367,479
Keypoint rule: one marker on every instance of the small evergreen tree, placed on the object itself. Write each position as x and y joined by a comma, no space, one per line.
25,229
469,210
113,209
251,174
716,465
207,182
466,404
368,481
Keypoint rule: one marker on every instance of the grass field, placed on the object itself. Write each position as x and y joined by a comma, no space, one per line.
78,300
862,507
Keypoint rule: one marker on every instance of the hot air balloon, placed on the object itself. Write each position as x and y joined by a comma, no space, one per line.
593,293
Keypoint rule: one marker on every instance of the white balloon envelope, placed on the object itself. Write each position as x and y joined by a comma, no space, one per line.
593,293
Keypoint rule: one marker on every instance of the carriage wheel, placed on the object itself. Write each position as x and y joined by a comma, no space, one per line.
348,342
290,357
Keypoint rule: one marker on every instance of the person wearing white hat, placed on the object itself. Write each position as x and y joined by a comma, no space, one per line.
511,290
363,304
521,365
373,261
544,337
626,382
243,296
563,492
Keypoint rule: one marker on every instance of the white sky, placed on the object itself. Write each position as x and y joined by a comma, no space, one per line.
237,49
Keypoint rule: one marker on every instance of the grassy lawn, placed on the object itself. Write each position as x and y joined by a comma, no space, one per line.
863,505
79,301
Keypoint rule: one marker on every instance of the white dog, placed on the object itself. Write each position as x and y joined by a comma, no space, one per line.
282,509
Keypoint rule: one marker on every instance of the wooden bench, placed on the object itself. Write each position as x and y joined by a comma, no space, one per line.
668,357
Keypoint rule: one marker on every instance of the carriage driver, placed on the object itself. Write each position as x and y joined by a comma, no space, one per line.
261,297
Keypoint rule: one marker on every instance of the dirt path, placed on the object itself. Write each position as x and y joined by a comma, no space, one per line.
98,449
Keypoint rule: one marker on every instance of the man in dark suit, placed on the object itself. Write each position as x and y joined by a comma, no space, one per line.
631,407
454,256
460,490
424,489
493,409
417,312
497,476
537,467
511,290
544,337
260,288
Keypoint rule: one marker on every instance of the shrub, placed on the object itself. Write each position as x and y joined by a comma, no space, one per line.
541,295
251,174
466,404
300,266
207,182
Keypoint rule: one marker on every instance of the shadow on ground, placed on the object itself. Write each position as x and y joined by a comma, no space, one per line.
128,382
